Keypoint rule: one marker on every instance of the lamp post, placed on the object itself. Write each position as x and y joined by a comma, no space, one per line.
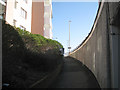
69,37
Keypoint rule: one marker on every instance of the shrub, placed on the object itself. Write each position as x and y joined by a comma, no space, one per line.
42,53
22,50
13,50
37,43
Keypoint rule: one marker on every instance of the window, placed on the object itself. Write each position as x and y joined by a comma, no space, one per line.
16,4
23,13
25,1
2,12
46,2
3,1
21,27
14,22
1,17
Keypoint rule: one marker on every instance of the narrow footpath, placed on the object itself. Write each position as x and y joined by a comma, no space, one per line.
75,75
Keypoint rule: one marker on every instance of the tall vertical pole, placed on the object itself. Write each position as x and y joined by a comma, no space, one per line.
69,37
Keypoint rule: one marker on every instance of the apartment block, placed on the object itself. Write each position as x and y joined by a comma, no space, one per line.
38,18
48,18
35,17
18,13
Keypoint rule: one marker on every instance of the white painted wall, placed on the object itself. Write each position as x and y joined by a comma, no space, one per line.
48,19
12,13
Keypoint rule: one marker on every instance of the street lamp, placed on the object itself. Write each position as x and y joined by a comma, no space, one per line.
69,37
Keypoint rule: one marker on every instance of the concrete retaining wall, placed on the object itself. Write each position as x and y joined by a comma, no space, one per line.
94,51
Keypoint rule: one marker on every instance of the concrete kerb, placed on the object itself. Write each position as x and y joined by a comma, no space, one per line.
46,81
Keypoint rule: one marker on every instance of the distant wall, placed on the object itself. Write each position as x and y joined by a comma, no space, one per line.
97,49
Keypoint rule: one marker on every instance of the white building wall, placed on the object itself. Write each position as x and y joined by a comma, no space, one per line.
48,19
9,11
15,14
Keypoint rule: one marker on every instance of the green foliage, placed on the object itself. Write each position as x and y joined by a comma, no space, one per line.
12,51
22,50
41,52
12,43
37,43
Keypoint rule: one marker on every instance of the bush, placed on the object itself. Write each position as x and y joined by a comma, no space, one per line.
42,53
37,43
22,50
13,50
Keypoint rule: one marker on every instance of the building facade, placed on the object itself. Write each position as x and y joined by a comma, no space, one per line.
35,17
48,18
38,18
18,13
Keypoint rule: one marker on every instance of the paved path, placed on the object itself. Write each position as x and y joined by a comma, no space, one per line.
75,75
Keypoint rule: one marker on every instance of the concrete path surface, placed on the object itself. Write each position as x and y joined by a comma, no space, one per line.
75,75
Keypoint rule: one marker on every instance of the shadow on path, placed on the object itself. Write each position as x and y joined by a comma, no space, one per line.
75,75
